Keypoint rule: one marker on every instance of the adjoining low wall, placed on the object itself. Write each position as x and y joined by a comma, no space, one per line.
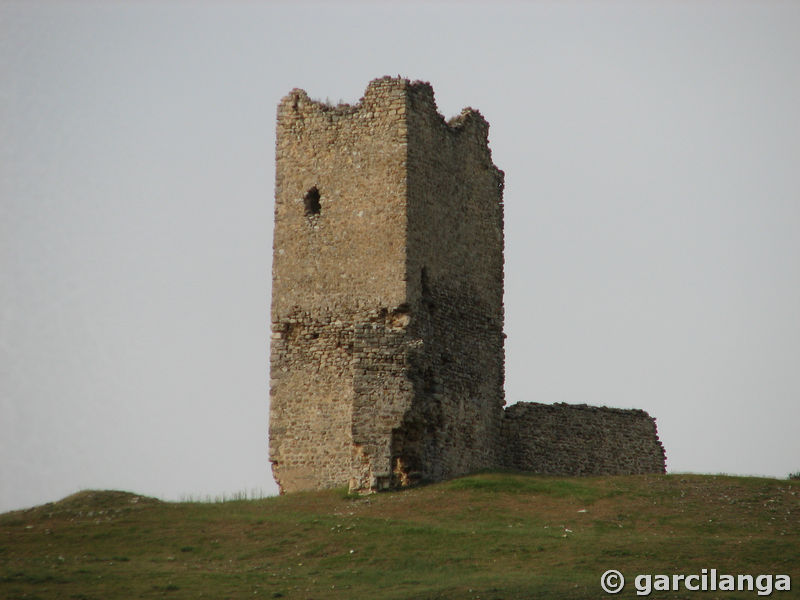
576,439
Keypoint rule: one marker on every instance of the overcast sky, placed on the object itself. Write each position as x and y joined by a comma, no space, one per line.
652,160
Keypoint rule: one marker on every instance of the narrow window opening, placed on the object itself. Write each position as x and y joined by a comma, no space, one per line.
311,201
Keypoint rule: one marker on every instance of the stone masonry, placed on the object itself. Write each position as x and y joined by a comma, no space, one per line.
576,439
387,359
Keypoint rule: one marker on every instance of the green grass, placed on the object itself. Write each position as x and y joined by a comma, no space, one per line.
488,536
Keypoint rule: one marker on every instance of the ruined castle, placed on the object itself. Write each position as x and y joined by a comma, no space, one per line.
387,359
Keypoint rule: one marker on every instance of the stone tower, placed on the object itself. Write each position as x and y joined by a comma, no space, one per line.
387,357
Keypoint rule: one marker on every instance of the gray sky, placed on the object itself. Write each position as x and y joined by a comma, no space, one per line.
652,159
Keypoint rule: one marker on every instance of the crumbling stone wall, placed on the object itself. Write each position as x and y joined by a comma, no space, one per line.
576,439
387,321
387,344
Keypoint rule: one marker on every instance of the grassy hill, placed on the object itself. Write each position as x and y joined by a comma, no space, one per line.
489,536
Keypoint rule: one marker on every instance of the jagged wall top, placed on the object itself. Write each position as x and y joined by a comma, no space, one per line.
297,102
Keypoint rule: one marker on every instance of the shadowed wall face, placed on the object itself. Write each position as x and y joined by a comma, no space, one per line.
455,289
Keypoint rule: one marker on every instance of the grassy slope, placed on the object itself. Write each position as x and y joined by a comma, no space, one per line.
485,536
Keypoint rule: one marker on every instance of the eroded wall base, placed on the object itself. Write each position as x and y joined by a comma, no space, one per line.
339,389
